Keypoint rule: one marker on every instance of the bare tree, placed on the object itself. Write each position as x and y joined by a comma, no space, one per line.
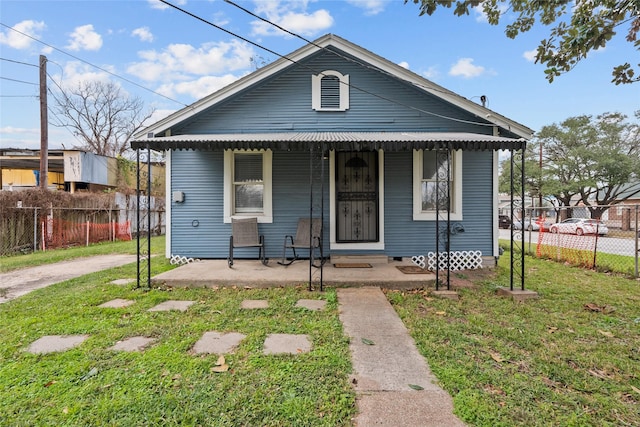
101,116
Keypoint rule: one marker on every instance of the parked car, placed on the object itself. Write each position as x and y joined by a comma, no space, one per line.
532,225
504,221
580,226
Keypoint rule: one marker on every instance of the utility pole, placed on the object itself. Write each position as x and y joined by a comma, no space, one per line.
44,124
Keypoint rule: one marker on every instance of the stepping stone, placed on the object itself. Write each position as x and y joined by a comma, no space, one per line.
218,343
117,303
172,305
286,344
254,303
133,344
312,304
55,343
122,281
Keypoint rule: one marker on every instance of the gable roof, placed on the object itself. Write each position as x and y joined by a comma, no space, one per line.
149,136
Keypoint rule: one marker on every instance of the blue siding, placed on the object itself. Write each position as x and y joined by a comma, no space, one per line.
283,103
200,176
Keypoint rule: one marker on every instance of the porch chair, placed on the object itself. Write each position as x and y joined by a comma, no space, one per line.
308,236
244,234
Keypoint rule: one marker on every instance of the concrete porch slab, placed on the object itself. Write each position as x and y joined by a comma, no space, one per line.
172,305
286,344
251,273
55,343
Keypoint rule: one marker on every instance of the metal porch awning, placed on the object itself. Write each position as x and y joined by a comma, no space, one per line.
339,141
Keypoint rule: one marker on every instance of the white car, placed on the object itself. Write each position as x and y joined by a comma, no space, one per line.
532,225
580,226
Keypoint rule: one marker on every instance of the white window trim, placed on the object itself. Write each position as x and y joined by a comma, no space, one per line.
267,159
333,245
316,90
418,213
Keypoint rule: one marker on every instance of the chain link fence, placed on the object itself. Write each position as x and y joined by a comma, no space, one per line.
28,229
571,234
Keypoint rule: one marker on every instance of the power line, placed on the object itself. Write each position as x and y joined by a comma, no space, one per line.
95,66
315,71
18,62
18,81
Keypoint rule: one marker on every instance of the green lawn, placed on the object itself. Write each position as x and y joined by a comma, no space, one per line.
13,262
571,357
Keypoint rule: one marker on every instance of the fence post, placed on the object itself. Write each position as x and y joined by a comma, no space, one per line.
637,239
35,230
88,233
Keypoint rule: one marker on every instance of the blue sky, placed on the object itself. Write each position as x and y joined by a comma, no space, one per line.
171,56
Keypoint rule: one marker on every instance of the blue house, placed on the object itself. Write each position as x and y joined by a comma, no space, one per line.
334,131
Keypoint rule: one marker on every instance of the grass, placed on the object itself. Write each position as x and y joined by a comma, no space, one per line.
570,357
13,262
167,384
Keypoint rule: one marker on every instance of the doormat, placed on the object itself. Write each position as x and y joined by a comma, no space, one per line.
412,269
353,265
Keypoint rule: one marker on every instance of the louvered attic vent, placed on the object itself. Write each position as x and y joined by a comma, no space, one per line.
330,91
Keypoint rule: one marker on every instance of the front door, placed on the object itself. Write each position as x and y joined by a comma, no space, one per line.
357,197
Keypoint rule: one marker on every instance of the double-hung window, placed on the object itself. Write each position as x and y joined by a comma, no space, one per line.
437,184
248,184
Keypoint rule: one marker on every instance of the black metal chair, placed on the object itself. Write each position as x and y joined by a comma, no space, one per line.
244,234
308,236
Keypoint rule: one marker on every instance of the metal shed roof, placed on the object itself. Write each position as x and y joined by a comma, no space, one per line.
341,141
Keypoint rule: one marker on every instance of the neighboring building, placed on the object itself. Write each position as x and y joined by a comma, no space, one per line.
68,170
251,149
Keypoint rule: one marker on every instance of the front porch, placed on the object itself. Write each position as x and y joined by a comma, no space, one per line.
251,273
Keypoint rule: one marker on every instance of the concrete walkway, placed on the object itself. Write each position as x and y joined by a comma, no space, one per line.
20,282
388,367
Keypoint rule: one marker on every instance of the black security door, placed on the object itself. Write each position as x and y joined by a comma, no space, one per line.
357,197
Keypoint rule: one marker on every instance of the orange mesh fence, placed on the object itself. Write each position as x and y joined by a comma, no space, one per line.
576,250
61,233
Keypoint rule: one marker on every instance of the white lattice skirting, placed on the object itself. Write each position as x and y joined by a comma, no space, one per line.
181,260
460,260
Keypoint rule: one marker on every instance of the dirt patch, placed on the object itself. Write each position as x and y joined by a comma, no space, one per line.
471,278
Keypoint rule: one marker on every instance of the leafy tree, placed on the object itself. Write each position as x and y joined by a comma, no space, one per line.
101,116
580,26
597,159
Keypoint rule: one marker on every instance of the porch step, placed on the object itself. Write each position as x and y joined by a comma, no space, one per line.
359,259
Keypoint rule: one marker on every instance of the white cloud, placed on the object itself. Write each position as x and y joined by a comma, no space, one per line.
482,17
530,55
371,7
431,73
85,38
197,88
181,62
291,15
156,4
143,33
404,64
76,73
465,68
16,40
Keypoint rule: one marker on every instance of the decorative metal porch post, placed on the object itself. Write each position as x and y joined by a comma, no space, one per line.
316,202
517,244
143,220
